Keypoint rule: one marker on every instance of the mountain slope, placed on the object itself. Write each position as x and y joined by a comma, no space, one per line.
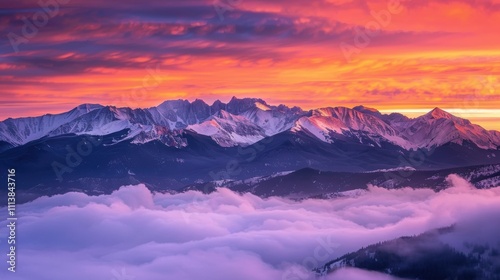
229,130
329,124
243,122
438,127
427,256
23,130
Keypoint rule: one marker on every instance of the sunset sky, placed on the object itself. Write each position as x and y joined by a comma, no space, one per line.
418,54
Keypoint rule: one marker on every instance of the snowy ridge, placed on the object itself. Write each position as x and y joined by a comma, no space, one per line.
242,122
438,127
23,130
402,168
326,122
229,130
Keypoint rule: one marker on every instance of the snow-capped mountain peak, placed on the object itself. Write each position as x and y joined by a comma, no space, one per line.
439,127
357,120
248,120
438,113
262,106
23,130
238,106
229,130
329,123
88,107
364,109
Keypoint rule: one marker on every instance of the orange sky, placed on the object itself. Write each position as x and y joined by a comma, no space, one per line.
426,54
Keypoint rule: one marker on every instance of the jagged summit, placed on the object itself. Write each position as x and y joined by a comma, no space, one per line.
89,107
364,109
244,121
438,113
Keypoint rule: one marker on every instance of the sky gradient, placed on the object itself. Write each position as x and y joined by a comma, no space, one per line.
407,56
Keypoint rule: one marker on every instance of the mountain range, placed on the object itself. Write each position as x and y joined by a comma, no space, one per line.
96,149
243,122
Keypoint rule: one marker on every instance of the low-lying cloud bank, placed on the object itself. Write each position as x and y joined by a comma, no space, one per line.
133,234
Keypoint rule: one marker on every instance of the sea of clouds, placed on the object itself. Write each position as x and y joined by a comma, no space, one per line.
134,234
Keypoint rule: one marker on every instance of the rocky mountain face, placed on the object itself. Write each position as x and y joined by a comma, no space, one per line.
243,122
181,143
